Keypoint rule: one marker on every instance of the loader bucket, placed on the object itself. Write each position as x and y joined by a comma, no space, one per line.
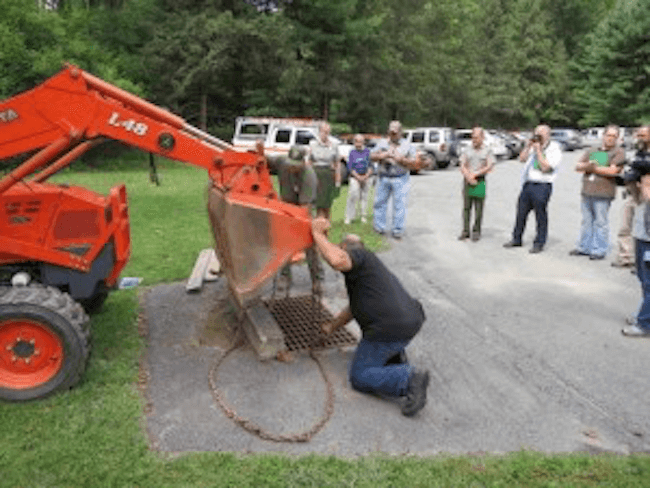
255,237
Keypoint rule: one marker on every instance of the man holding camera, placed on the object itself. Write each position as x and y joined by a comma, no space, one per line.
639,176
542,157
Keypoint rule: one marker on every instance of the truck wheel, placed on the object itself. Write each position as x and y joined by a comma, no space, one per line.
94,303
44,342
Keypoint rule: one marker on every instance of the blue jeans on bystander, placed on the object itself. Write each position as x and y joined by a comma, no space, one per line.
398,187
643,273
594,231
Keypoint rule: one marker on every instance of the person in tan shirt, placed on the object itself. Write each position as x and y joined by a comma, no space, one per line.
598,190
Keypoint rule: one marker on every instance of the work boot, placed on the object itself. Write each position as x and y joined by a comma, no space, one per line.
416,395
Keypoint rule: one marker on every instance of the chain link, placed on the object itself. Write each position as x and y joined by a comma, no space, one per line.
256,429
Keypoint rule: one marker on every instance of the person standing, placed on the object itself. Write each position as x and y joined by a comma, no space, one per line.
542,157
641,232
298,183
359,182
598,190
396,157
325,158
624,257
475,162
388,316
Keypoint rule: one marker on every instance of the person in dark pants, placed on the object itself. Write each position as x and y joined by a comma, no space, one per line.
542,157
388,316
639,177
475,163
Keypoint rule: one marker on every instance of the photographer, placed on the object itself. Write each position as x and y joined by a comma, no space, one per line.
639,174
542,157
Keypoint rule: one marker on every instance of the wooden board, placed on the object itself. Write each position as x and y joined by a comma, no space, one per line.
195,282
213,268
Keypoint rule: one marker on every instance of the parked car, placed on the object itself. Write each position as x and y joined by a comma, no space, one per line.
515,144
435,144
495,142
593,135
569,139
279,134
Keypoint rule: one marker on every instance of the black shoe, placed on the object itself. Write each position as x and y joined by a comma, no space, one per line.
476,236
512,244
596,257
536,249
416,395
577,252
463,236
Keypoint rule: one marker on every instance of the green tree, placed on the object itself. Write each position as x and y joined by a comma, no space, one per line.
613,73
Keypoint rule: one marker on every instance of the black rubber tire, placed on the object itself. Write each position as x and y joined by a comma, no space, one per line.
95,303
63,316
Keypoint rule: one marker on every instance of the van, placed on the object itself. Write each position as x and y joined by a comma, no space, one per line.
279,134
436,143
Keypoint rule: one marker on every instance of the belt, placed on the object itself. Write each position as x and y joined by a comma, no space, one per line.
392,176
538,183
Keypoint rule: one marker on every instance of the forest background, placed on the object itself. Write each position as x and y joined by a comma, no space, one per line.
358,63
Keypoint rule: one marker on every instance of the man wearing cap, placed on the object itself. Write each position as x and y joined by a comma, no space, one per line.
298,183
396,157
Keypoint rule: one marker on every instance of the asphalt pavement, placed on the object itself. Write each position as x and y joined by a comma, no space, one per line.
525,350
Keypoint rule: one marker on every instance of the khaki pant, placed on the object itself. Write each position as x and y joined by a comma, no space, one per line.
624,242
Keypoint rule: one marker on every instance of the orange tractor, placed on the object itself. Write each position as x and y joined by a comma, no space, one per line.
62,247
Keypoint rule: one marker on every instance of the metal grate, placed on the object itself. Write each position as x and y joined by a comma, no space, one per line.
301,326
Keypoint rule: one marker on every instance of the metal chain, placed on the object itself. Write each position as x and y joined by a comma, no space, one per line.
256,429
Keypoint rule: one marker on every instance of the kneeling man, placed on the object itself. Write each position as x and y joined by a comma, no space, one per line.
388,316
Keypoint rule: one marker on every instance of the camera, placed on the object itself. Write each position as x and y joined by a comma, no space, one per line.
536,138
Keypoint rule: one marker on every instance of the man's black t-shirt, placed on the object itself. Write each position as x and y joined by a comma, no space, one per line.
379,303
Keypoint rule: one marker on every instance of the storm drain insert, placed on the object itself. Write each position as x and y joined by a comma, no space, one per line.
300,325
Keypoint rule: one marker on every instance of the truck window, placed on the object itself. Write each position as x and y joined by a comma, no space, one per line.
283,136
417,137
252,131
434,136
303,137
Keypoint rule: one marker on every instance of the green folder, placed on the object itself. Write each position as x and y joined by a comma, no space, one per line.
476,191
600,157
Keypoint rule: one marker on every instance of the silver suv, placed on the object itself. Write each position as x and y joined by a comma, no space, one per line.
435,143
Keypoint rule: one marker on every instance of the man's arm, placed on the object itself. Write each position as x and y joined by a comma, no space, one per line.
614,167
336,257
548,160
343,318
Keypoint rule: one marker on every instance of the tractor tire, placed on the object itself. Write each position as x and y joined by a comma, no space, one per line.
95,303
44,342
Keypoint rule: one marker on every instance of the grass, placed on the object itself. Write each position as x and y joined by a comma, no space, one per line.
94,434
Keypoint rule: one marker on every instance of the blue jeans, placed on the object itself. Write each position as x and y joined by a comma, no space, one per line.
370,374
594,231
398,187
643,273
533,196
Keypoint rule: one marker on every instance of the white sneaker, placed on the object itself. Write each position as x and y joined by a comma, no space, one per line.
346,222
363,220
635,331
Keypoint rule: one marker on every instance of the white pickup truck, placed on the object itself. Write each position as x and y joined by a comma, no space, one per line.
279,134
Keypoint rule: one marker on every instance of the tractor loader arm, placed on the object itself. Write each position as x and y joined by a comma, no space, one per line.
255,232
